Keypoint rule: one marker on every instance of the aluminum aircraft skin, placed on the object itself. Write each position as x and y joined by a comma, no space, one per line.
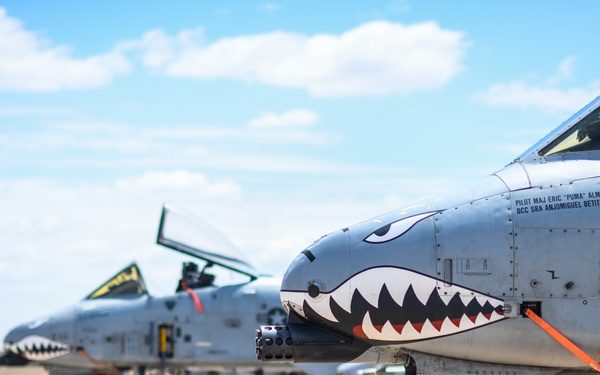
201,327
447,285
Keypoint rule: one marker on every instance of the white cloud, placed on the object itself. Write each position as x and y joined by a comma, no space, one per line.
256,136
269,7
293,118
179,180
547,97
159,48
22,111
81,144
564,72
524,95
373,59
28,63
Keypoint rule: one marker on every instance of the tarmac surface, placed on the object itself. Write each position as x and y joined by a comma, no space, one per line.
25,370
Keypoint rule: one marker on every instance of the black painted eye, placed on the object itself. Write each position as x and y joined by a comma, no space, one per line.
396,229
383,230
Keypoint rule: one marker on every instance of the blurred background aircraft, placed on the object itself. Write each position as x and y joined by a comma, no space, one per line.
202,327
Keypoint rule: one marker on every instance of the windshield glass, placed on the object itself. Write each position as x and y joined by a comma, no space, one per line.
584,136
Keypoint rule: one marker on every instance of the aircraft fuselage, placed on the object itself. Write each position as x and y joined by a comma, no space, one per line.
452,277
126,333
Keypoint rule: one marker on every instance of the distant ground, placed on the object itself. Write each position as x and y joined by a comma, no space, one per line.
25,370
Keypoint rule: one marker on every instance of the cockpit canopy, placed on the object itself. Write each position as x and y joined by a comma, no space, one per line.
126,283
584,136
578,137
188,234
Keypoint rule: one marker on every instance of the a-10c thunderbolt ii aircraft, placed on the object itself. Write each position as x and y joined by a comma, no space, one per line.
500,277
202,327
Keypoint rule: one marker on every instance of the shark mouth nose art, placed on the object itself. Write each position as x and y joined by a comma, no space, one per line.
397,305
39,348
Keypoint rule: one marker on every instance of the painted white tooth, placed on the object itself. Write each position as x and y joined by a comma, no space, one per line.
369,284
368,328
446,298
495,316
389,333
409,332
465,323
466,299
448,327
483,299
321,306
481,320
423,288
398,290
429,330
371,295
343,296
34,357
494,302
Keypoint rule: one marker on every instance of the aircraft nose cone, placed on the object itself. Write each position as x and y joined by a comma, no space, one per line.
316,271
13,336
11,356
33,341
318,268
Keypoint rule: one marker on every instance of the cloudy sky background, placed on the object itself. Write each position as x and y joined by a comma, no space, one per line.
277,122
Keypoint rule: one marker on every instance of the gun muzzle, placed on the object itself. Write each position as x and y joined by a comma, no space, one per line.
305,343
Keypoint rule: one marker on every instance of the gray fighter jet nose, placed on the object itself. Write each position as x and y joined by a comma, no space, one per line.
326,260
11,356
13,336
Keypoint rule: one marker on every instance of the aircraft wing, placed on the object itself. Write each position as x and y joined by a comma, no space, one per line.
188,234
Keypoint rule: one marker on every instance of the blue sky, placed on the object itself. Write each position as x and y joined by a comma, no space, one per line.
277,122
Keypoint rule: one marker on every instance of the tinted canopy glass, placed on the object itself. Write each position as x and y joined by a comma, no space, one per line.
584,136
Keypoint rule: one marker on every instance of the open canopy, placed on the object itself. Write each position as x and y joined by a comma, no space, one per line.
186,233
